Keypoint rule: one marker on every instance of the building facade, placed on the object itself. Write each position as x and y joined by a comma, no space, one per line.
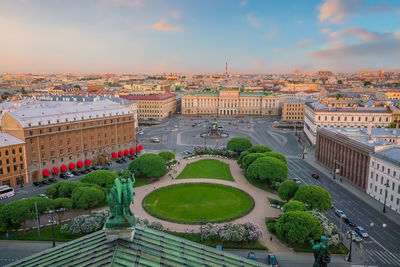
62,133
320,115
231,102
384,177
12,160
156,107
293,110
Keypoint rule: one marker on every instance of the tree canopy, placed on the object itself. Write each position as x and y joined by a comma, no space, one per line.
148,165
241,157
294,205
124,173
276,155
259,149
102,178
298,227
62,189
250,158
167,155
314,197
268,168
238,144
287,189
60,206
88,197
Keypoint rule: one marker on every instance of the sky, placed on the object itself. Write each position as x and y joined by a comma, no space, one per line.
188,36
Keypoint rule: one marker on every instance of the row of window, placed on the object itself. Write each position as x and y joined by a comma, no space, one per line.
8,169
14,160
381,192
74,119
13,151
338,118
392,173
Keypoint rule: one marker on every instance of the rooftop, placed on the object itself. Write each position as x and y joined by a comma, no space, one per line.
31,113
9,140
391,155
149,97
317,106
148,248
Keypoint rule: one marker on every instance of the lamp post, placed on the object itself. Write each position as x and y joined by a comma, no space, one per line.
201,220
52,221
384,203
350,235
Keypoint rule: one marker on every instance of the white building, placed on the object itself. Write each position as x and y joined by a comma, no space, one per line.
384,174
320,115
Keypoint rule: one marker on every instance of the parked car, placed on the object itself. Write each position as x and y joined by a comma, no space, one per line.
63,176
315,175
361,231
348,221
105,168
219,247
45,182
140,133
272,261
132,157
36,184
76,173
251,256
69,175
340,213
276,206
119,161
297,180
96,168
52,180
355,236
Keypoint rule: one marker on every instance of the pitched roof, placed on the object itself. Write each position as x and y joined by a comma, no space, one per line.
148,97
148,248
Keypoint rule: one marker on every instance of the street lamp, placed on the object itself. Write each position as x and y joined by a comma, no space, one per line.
201,220
350,235
52,221
384,203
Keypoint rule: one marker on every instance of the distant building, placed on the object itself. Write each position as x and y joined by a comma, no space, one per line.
349,150
384,174
391,94
58,135
322,115
158,107
293,110
12,160
232,102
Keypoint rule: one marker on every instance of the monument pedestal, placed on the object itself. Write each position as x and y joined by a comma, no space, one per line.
120,228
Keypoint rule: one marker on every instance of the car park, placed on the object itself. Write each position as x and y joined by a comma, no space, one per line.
340,213
348,221
361,231
272,261
356,237
315,175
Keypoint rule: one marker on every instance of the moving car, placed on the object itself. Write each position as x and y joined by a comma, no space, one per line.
297,180
348,221
315,175
340,213
251,256
361,231
154,140
272,261
355,236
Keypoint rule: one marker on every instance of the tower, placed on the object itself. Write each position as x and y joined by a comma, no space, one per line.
226,68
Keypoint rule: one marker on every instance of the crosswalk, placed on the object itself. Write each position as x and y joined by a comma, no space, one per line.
381,256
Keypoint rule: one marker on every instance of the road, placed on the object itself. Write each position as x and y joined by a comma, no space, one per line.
382,248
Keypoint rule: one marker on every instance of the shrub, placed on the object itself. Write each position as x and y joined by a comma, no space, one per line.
249,159
239,144
241,157
102,178
232,232
148,165
167,155
259,149
124,173
267,168
156,226
287,189
84,224
276,155
329,229
88,197
270,222
314,197
294,205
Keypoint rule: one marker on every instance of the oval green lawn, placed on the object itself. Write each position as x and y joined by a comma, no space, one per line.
207,168
186,202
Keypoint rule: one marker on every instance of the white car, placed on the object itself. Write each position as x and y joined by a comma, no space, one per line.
297,180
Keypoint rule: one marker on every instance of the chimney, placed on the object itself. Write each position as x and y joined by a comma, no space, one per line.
369,130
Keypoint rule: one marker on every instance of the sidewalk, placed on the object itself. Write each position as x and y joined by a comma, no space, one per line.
390,214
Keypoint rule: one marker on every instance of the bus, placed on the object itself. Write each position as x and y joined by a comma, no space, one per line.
6,191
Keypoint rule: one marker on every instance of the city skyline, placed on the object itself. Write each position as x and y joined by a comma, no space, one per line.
138,36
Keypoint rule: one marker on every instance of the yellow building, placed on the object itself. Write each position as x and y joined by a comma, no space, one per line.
230,102
158,106
396,117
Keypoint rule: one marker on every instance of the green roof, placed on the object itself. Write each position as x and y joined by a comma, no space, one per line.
148,248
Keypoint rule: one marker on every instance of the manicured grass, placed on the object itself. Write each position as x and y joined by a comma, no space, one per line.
261,184
186,202
140,182
195,237
207,168
45,235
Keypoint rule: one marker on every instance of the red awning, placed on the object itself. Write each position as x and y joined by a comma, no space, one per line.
71,166
120,153
132,150
113,155
137,148
79,164
55,170
140,147
126,152
87,162
63,168
46,172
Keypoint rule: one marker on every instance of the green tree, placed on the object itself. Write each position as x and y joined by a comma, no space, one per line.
241,157
23,91
250,158
60,206
124,173
294,205
238,144
366,83
267,168
338,96
88,197
339,82
259,149
102,178
287,189
43,205
298,227
148,165
19,212
62,189
167,155
276,155
314,197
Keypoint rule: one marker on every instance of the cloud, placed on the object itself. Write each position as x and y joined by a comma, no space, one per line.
337,11
243,3
326,30
271,35
256,23
129,3
386,46
163,26
176,14
299,21
397,34
305,43
357,32
279,50
257,64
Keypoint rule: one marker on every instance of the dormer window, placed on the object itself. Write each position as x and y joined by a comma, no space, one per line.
48,122
40,123
29,124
